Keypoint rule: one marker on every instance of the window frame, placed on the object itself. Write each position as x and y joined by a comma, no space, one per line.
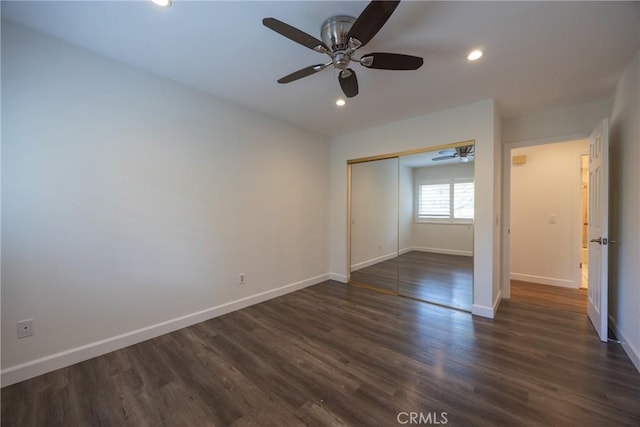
450,219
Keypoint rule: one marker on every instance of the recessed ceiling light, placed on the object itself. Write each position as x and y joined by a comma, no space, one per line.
163,3
340,102
474,55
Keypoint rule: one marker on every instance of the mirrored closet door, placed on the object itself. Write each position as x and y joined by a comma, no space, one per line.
412,225
374,224
436,222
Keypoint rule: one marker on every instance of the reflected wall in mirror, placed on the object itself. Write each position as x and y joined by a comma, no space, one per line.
374,224
436,208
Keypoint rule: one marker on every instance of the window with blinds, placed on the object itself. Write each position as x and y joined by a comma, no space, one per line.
434,201
451,201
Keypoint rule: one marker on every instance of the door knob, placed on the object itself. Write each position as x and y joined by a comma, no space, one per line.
598,240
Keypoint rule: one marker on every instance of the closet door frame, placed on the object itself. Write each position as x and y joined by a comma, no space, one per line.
397,155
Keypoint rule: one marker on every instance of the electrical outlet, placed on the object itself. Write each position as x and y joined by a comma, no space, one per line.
25,328
242,279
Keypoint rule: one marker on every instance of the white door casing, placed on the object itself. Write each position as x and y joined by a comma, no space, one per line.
597,303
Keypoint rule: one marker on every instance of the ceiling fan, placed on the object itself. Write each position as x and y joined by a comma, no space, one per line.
341,37
465,154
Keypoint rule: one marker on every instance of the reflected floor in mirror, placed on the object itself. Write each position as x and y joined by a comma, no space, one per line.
438,278
382,275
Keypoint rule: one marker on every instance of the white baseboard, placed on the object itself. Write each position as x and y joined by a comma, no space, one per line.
488,312
482,311
372,261
496,302
628,347
442,251
33,368
552,281
338,277
405,250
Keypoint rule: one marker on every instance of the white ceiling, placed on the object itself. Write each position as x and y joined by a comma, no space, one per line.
537,54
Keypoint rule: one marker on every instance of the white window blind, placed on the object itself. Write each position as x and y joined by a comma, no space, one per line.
463,200
434,201
450,201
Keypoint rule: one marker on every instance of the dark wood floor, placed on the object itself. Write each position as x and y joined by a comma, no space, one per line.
338,355
550,296
382,275
438,278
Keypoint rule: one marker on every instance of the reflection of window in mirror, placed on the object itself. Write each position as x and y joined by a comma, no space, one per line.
445,200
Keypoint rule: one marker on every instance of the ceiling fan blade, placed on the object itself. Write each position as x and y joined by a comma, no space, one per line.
303,73
391,61
371,20
467,149
437,159
447,151
295,34
348,82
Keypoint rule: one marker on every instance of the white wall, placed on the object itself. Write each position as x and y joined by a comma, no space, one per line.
624,269
473,121
548,184
571,120
455,239
406,207
374,212
129,201
498,190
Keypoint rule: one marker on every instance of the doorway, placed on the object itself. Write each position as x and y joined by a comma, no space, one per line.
546,233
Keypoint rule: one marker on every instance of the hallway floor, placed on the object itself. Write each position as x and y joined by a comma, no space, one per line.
549,296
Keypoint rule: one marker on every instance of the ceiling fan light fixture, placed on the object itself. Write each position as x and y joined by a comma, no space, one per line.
162,3
464,159
475,54
340,102
341,36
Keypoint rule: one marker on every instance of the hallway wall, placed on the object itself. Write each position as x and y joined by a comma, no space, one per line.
545,214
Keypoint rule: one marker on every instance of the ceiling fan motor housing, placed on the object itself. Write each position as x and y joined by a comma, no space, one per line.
334,33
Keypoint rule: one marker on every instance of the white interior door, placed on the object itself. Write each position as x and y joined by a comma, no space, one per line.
599,227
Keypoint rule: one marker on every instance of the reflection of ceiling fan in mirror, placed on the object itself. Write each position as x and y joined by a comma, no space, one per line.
464,153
